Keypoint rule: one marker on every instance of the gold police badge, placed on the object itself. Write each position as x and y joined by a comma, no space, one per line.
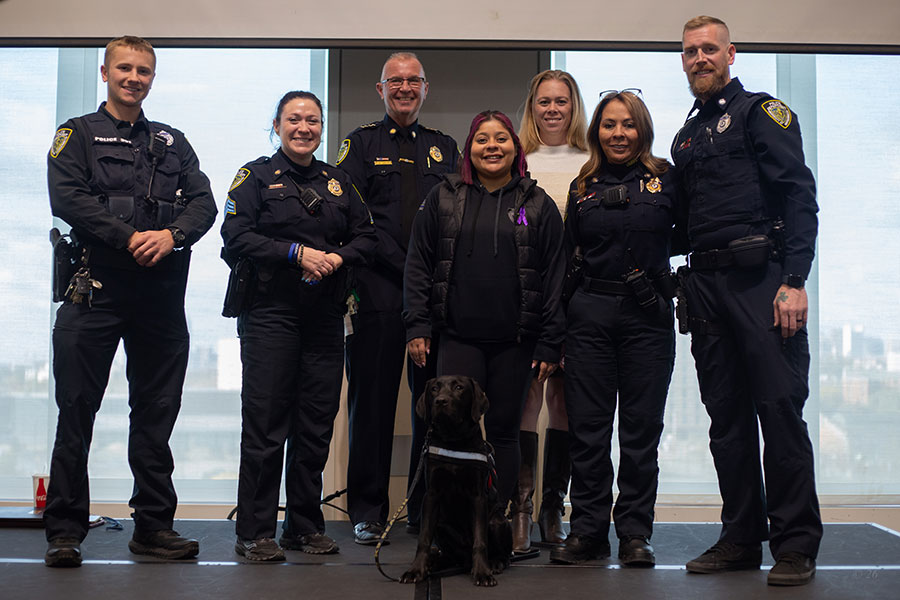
435,153
242,174
654,185
779,112
334,187
723,123
60,141
342,151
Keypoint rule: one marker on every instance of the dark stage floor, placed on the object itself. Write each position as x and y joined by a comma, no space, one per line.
857,561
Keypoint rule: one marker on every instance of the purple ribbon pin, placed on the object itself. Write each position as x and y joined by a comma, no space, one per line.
523,220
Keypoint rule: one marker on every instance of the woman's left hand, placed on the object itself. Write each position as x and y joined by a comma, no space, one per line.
545,369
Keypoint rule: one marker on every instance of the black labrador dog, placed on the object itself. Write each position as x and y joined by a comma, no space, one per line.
461,513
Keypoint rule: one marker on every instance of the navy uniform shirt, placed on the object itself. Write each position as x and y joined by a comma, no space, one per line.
264,215
740,164
635,234
74,200
373,156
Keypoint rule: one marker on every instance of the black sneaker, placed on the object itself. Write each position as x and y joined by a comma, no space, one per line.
636,551
368,533
792,568
163,543
579,548
262,549
311,543
724,556
63,552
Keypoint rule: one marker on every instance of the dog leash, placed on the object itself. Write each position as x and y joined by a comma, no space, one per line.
409,491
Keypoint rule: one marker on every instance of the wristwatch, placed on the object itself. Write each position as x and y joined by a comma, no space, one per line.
177,236
794,281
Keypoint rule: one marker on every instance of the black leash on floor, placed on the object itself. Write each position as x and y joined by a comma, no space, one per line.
326,501
409,491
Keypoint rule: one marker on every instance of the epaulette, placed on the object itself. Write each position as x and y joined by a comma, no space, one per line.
433,130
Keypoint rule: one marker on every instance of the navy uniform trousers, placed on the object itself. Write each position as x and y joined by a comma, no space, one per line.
748,372
145,309
617,354
292,357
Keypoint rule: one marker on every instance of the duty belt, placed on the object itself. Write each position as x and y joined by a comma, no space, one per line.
613,287
711,260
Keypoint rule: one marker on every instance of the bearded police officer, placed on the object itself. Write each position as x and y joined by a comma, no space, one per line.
136,200
394,163
752,225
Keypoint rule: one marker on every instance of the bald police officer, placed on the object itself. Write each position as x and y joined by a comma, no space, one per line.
394,163
752,224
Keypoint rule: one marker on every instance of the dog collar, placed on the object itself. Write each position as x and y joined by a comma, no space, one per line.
457,455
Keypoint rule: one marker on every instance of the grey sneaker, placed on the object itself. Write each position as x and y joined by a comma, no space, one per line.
164,543
311,543
262,549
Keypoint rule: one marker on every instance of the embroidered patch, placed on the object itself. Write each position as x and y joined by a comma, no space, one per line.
230,208
779,112
335,187
59,141
242,174
342,151
435,153
685,144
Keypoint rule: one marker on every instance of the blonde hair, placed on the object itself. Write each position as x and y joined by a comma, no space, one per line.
643,124
704,20
128,41
528,131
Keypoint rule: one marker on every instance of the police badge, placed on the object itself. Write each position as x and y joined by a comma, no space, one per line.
655,185
334,187
435,153
723,123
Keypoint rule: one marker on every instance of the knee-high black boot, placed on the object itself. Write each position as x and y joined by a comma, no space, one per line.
521,505
557,471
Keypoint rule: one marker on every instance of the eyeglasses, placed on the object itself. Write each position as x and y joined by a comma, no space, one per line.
397,82
635,91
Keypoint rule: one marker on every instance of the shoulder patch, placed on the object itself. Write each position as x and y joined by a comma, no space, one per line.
342,151
242,174
230,208
60,140
779,112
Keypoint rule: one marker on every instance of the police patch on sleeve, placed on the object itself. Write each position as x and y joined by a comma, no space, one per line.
779,112
342,151
242,174
230,208
60,141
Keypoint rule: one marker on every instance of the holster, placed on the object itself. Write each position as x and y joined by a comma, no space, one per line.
65,263
681,305
574,274
241,284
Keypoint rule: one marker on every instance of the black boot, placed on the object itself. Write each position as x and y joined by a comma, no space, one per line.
557,470
521,505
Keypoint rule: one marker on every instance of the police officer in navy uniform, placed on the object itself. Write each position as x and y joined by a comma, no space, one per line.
133,192
620,345
303,224
394,163
751,221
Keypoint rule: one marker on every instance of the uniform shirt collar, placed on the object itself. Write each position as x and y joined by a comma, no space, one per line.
141,120
720,101
283,164
395,130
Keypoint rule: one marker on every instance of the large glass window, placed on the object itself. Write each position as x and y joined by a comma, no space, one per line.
224,101
855,374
